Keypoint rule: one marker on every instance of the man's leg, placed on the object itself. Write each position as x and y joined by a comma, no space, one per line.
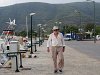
54,56
61,58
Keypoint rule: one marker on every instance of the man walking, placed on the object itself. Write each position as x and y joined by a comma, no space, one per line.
57,44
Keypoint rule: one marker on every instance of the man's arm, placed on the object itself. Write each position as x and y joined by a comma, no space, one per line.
63,42
49,43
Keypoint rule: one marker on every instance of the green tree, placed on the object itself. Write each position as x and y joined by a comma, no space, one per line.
22,33
98,30
89,26
33,33
71,28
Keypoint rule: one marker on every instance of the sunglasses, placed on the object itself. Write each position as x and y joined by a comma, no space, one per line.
56,30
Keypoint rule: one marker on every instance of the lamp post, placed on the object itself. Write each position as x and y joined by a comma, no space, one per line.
35,40
31,14
94,29
80,22
42,34
39,33
27,27
80,19
59,24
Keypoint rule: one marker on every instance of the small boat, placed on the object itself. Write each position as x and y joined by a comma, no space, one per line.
5,39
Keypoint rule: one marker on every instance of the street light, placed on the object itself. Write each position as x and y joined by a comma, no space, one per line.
27,27
94,20
79,13
80,22
45,25
31,14
39,32
42,34
35,40
59,24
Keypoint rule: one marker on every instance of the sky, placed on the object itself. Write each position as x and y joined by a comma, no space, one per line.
11,2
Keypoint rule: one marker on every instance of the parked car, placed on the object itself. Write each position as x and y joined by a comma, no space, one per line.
67,37
98,37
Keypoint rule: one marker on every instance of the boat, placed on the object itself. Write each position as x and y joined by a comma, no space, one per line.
5,39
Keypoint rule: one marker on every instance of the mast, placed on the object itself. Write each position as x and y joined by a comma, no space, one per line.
26,26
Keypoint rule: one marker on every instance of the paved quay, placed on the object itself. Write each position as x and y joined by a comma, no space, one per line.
76,63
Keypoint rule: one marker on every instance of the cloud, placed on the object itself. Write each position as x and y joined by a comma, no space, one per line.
48,1
6,2
10,2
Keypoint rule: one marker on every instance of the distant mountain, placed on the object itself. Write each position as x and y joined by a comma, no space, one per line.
48,13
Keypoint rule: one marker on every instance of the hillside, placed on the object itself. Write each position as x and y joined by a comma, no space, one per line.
48,13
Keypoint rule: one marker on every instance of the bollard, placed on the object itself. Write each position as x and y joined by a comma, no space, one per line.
35,48
14,47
